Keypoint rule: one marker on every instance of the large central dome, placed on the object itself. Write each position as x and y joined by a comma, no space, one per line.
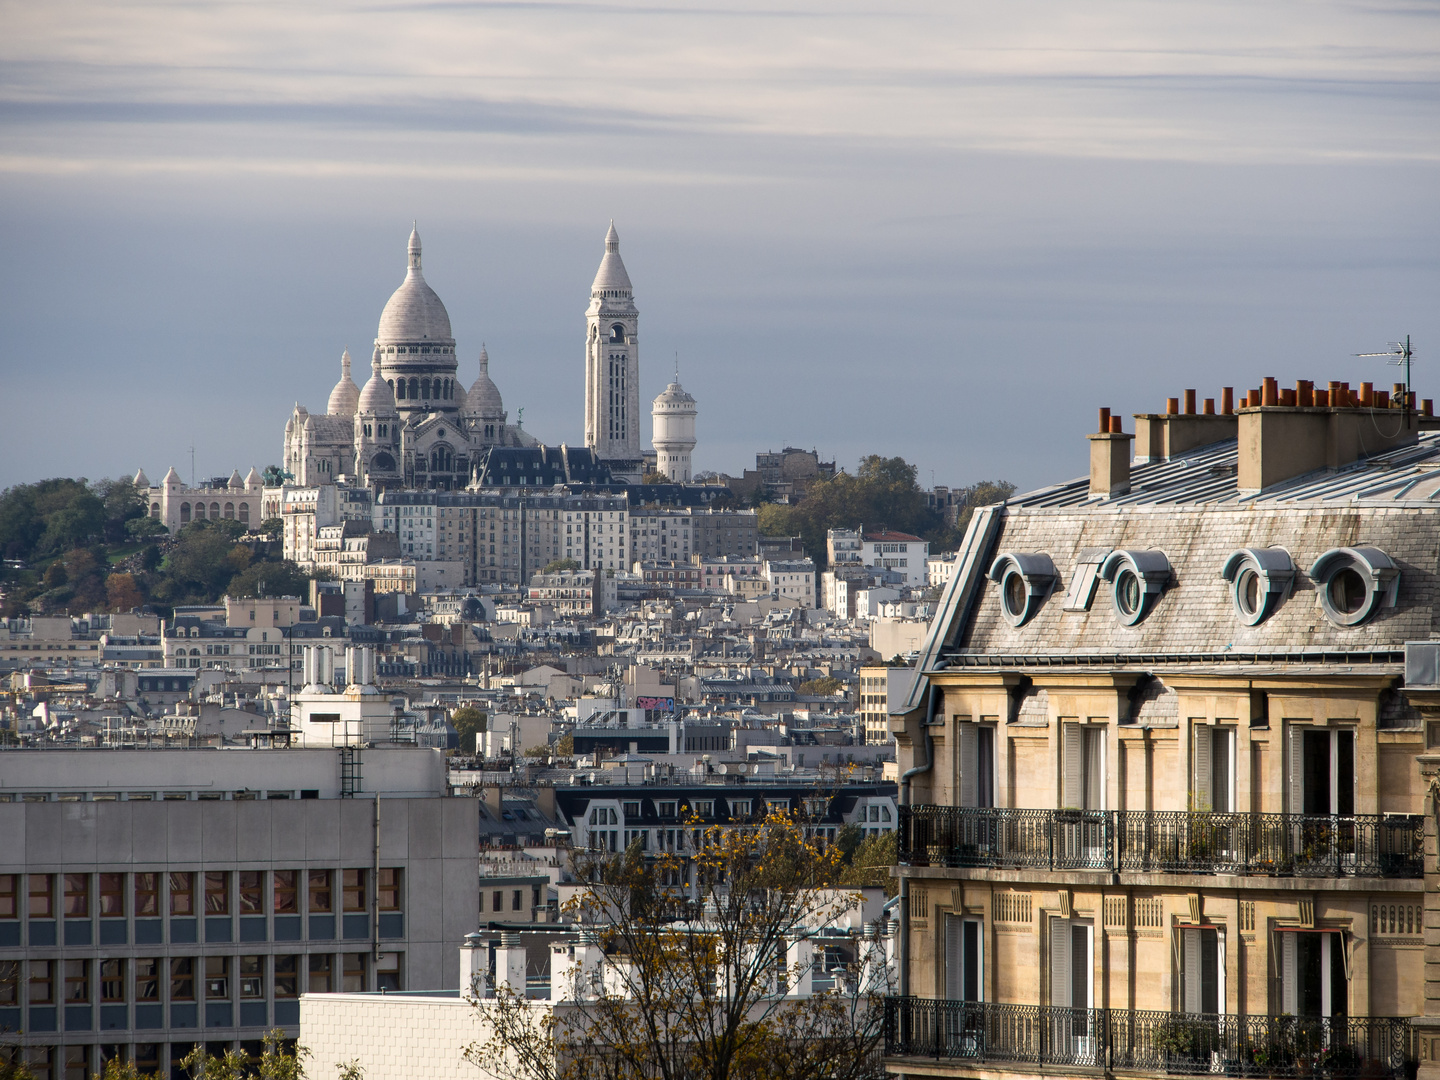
414,313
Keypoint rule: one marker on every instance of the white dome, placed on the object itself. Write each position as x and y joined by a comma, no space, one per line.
484,397
414,312
377,398
673,396
611,275
346,395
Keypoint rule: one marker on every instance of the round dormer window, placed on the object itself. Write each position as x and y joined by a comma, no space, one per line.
1260,580
1354,583
1137,578
1025,580
1016,595
1129,594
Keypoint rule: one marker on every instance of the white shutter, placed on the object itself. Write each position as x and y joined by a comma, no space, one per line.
1191,974
1203,796
968,749
1289,999
1297,769
1072,792
1060,963
954,958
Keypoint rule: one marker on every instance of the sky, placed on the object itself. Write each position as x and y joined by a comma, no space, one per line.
947,231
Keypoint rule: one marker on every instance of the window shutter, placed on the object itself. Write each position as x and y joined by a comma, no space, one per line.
954,958
1297,769
1190,974
968,750
1204,798
1060,963
1071,789
1288,997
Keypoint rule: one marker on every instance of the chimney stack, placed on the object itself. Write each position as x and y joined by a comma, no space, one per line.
1109,459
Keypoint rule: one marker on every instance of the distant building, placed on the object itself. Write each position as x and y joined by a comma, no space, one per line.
673,425
880,688
175,504
886,549
792,580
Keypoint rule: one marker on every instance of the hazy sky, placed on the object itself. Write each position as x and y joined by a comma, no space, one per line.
947,231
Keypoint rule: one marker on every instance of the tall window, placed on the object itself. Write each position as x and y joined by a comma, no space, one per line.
354,890
9,896
182,892
9,983
217,978
287,979
42,896
352,977
1312,974
252,976
322,899
389,888
77,896
182,978
1202,972
963,959
285,892
321,973
252,892
147,978
1083,782
77,981
42,982
217,892
1322,771
112,981
1214,761
147,894
977,764
112,896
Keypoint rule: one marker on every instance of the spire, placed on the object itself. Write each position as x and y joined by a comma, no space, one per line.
414,248
484,360
345,364
612,238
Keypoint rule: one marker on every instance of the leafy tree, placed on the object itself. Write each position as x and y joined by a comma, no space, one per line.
692,989
122,592
142,528
468,722
824,686
536,752
274,528
565,745
655,478
268,578
558,565
868,862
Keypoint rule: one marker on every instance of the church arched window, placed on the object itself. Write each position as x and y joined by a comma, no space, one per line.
184,513
617,334
441,460
154,510
244,513
424,388
400,390
366,428
214,511
391,383
382,462
414,388
230,511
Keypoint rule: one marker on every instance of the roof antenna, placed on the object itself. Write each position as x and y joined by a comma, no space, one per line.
677,367
1400,355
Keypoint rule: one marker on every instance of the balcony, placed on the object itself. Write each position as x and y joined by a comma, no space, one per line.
1175,842
1129,1040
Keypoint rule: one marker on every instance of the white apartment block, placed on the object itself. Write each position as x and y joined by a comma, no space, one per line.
792,579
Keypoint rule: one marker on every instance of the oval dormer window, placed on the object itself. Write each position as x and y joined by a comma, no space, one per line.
1352,584
1025,580
1260,580
1138,578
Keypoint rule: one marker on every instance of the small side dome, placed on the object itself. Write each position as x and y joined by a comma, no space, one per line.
1354,583
483,399
1139,577
376,399
1025,580
345,398
253,479
141,480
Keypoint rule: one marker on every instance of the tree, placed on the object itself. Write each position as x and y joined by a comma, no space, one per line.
122,592
565,745
868,860
825,686
655,478
274,528
469,722
537,752
281,1059
694,987
558,565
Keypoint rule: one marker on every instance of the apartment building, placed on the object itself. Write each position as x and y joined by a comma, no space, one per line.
1166,790
881,690
151,900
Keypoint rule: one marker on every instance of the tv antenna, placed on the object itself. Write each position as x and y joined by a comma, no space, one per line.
1400,355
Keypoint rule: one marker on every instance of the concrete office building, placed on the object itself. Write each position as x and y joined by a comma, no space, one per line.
155,899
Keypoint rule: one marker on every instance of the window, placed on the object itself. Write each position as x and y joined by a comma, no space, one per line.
147,894
147,979
182,978
1083,780
321,898
9,982
388,972
252,892
112,896
1202,972
739,808
354,890
1312,974
632,809
1354,583
77,981
320,973
217,978
388,889
1322,771
77,896
9,896
963,944
182,893
251,972
217,892
1072,962
42,982
515,900
112,981
976,761
667,809
285,902
42,896
287,976
352,975
1214,761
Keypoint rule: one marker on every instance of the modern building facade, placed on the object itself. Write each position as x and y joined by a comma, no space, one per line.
151,900
1163,807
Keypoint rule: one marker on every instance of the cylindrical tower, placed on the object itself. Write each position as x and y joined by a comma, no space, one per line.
673,432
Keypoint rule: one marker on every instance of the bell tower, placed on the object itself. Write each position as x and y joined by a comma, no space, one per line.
612,366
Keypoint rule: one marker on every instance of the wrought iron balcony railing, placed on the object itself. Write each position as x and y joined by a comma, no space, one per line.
1153,1042
1281,845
